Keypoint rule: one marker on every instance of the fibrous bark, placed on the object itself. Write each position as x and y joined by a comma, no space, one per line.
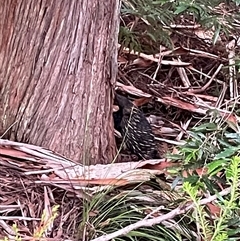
57,70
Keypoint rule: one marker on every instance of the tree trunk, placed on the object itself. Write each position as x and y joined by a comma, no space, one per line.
58,64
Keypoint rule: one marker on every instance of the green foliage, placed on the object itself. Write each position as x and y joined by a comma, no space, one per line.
129,38
145,21
224,226
46,222
109,212
146,24
39,231
210,143
237,2
199,213
215,150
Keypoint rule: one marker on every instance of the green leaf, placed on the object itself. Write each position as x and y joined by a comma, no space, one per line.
233,170
188,149
206,127
152,37
226,153
216,34
215,166
198,136
223,143
233,137
237,2
181,8
191,180
174,156
189,157
209,184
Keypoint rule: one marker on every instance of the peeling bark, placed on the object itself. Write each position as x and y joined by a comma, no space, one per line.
58,64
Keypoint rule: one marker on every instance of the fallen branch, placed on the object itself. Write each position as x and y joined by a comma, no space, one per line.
157,220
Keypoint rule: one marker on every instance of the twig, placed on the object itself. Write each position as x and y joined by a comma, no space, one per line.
157,220
230,48
208,83
10,127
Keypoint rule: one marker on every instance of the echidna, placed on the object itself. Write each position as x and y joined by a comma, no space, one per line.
135,129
